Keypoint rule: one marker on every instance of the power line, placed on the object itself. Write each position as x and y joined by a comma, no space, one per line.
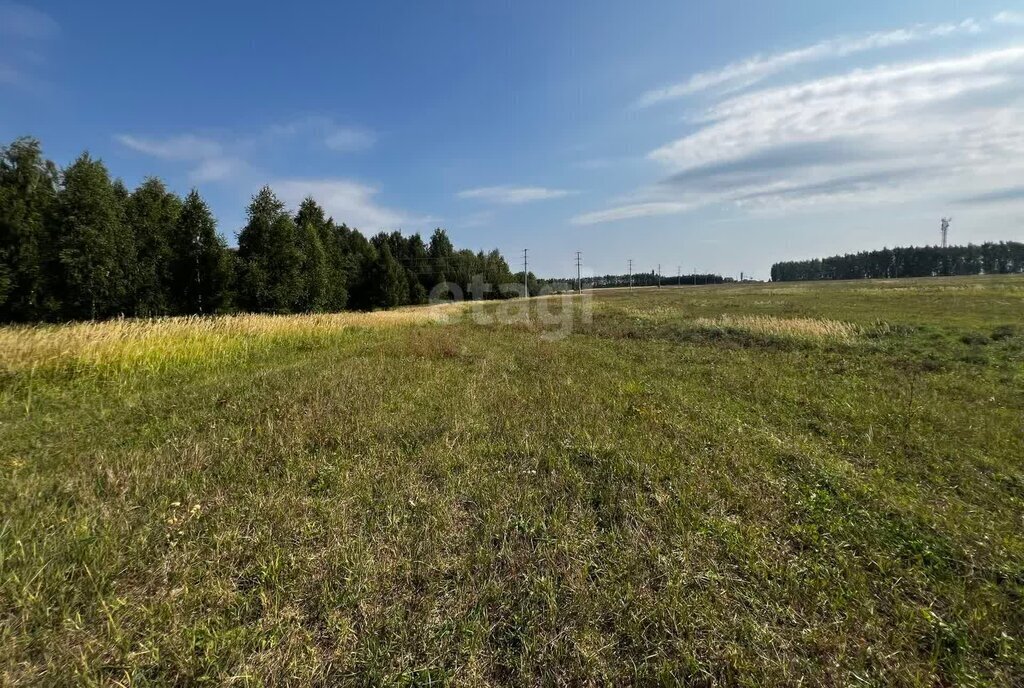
579,281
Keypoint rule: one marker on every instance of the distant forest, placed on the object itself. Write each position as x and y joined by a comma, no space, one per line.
638,279
925,261
76,244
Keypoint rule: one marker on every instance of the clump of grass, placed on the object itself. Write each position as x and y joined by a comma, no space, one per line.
803,329
1005,332
975,339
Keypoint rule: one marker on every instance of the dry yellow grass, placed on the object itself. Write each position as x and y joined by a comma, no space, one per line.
159,342
791,328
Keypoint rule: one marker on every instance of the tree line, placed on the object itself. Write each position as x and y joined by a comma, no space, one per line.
637,279
77,244
1004,257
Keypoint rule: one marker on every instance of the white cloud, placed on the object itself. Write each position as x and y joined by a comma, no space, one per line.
884,105
1011,18
630,212
758,67
220,158
211,162
349,139
321,130
217,169
21,21
929,131
25,33
346,201
183,147
512,195
232,161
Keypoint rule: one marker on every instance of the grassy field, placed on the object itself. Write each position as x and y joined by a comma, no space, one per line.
751,485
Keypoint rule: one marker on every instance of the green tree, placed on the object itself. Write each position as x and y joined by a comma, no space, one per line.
496,273
201,264
316,273
96,250
270,263
28,195
152,215
416,262
920,261
357,255
387,281
441,252
339,265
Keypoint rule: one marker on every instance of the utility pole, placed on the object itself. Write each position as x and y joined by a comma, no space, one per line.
526,281
659,275
579,281
679,275
631,274
199,283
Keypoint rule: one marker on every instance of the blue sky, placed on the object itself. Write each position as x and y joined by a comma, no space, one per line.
718,136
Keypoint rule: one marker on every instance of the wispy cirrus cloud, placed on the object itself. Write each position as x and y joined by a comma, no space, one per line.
322,132
1013,193
210,159
218,169
219,158
181,147
943,128
349,139
754,69
631,211
855,104
512,195
218,155
235,162
347,201
25,33
22,21
1010,18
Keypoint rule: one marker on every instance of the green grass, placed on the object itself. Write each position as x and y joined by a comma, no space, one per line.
664,496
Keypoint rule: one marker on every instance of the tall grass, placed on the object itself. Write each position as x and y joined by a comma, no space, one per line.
792,328
173,341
